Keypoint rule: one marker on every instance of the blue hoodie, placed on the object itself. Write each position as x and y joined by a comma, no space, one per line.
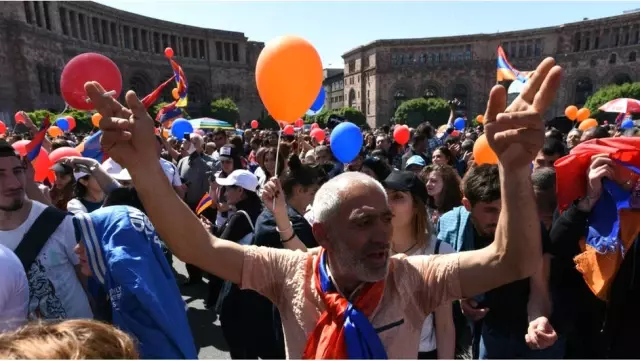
124,255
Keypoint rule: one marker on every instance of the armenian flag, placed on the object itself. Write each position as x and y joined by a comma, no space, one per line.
204,203
33,148
181,81
153,96
506,71
91,147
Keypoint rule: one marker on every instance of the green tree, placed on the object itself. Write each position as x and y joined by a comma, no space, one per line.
83,121
608,93
418,110
353,115
225,109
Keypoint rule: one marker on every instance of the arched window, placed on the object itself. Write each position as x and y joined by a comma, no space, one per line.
352,98
398,98
613,58
166,96
460,93
196,92
430,92
140,84
632,56
584,89
622,79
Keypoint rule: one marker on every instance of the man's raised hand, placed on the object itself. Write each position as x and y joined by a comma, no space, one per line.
128,133
516,133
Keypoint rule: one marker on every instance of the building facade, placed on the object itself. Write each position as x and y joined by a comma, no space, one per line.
37,38
380,75
334,88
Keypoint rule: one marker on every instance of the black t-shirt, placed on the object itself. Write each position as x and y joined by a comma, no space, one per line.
508,304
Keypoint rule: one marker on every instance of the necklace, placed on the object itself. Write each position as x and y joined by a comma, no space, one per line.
406,250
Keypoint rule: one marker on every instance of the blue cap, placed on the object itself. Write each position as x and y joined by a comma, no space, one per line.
415,160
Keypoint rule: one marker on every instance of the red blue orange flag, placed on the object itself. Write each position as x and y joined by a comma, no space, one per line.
33,148
204,203
91,148
181,83
506,71
153,96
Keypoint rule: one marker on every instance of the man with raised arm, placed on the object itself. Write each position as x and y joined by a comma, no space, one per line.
351,300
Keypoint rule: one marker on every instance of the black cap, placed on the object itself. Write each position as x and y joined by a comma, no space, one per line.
406,181
228,152
62,168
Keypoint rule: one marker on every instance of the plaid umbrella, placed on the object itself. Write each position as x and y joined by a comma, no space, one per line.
210,123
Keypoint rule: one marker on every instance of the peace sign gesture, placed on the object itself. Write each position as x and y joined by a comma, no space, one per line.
128,133
516,133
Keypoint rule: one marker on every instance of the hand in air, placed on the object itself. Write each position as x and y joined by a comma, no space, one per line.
516,133
273,190
128,132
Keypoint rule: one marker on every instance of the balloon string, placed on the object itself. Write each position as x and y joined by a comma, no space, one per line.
277,155
66,107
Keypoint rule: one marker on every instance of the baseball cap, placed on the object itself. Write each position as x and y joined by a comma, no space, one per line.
406,181
415,160
240,178
227,152
62,168
115,170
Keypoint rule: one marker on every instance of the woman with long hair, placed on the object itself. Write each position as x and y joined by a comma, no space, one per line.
267,161
443,188
413,234
442,155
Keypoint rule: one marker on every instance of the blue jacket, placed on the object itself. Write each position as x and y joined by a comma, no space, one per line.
455,228
124,255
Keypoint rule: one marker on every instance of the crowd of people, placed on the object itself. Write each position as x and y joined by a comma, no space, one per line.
407,251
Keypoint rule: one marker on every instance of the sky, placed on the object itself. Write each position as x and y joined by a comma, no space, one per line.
335,27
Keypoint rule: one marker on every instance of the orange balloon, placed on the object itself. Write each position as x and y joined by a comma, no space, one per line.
583,114
480,119
587,124
482,152
571,112
95,119
288,77
165,133
54,131
175,94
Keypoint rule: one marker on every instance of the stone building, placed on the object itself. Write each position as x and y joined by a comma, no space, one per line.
334,88
382,74
37,38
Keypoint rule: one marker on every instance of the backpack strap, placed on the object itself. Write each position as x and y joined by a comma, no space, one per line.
248,218
37,236
436,249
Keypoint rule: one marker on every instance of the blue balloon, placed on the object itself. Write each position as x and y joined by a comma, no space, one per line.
346,141
627,124
181,127
63,124
319,102
459,124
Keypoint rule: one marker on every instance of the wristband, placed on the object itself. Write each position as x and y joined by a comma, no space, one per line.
286,229
293,235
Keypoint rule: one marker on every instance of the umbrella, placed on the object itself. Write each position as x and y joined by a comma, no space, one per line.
622,105
210,123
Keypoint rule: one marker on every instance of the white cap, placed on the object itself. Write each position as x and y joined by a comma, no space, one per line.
240,178
115,170
78,175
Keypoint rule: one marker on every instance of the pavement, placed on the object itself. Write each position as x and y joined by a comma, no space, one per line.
205,325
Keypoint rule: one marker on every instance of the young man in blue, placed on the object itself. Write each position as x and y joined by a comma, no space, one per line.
119,248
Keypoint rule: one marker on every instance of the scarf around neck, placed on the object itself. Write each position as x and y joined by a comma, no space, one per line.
344,331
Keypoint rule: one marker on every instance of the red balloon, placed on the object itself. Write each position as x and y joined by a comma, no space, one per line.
299,123
314,126
88,67
72,123
41,164
19,117
318,134
288,130
63,152
401,135
3,128
168,52
254,124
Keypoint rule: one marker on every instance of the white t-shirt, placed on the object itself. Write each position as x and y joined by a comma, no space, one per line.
55,291
171,171
428,334
14,291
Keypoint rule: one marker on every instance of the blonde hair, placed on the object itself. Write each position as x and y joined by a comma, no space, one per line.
72,340
421,224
